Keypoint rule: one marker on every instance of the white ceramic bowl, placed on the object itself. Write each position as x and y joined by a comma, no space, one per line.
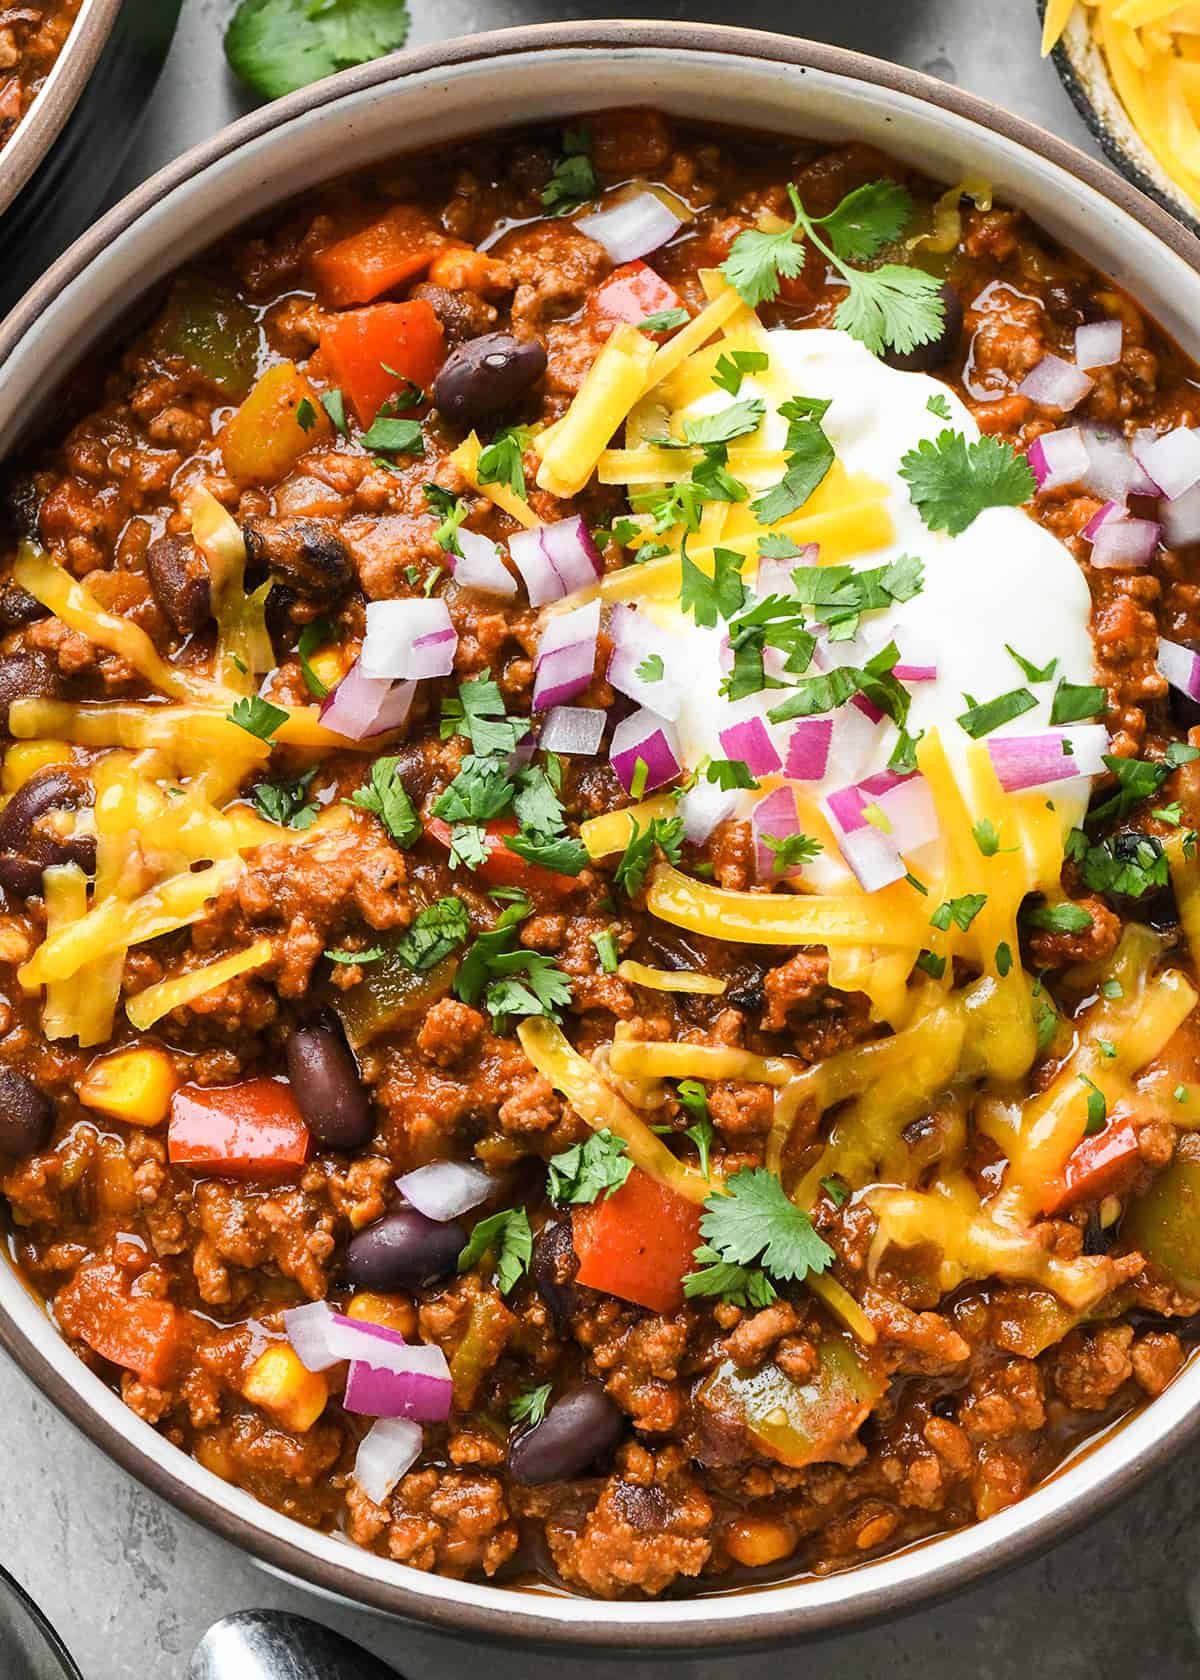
439,96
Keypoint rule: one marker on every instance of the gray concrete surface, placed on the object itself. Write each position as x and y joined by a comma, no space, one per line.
132,1586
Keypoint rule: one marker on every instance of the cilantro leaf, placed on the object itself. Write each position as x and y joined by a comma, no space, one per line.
285,802
385,797
961,911
1097,1106
790,849
560,852
733,367
665,832
334,404
589,1171
394,436
313,636
741,1286
952,481
986,836
1073,702
758,260
1033,673
478,713
372,954
694,1099
709,598
508,1238
537,803
867,219
753,1221
511,981
729,773
454,512
1138,779
606,949
501,461
468,846
937,404
530,1407
728,423
257,716
1128,864
574,180
664,320
436,931
278,46
651,668
932,965
481,790
809,456
306,415
1058,918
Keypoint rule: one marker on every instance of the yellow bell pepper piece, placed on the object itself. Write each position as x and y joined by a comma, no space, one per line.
133,1085
392,1312
280,419
156,1001
613,831
281,1385
24,759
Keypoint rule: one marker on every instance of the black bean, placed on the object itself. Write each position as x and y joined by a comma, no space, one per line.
26,1115
305,554
464,314
180,582
579,1428
1185,712
553,1268
25,849
404,1248
18,606
325,1083
487,375
1156,907
939,350
27,675
945,1406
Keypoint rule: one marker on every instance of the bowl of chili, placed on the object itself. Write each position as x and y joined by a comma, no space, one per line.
280,1161
75,76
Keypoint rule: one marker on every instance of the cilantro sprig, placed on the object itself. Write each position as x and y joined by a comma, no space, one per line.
752,1224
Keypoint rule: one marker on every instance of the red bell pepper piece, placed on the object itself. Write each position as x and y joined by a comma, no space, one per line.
252,1130
632,292
380,257
138,1332
371,352
504,868
1095,1165
638,1243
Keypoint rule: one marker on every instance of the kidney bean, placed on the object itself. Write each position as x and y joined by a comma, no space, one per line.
326,1085
27,675
553,1268
464,315
306,554
1185,712
25,850
580,1427
486,375
26,1115
939,350
404,1248
179,579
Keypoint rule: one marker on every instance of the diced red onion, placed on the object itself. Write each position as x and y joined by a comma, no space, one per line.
703,807
1180,666
1059,458
445,1189
1113,472
647,736
1054,755
873,856
1181,519
1172,460
1109,510
410,639
389,1448
1053,383
555,560
1125,542
362,706
808,749
868,708
1098,344
774,576
566,656
321,1338
846,805
918,659
521,755
632,228
479,566
910,810
855,739
774,816
574,730
750,742
635,639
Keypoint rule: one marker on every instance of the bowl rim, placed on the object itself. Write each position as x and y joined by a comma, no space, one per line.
504,1615
46,118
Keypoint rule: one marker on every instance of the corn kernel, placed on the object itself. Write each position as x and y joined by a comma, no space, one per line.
133,1085
281,1385
757,1541
392,1312
329,664
26,758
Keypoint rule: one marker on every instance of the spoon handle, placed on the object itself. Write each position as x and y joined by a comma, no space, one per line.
272,1645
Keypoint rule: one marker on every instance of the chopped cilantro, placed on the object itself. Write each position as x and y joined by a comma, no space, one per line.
729,773
651,668
436,931
1112,989
1075,701
481,790
373,954
1046,1022
938,405
981,720
559,852
508,1238
453,511
478,713
952,481
741,1286
1128,864
664,320
574,182
501,461
961,911
726,424
808,456
606,949
932,965
987,836
663,832
257,716
1032,672
285,802
1138,779
1004,959
468,846
306,415
313,636
394,436
1058,918
836,1188
334,404
384,797
733,367
790,850
511,980
588,1172
1097,1107
530,1407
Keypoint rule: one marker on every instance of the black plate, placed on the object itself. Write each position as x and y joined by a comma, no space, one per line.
29,1647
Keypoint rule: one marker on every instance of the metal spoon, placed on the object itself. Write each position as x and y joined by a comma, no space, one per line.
270,1645
29,1647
